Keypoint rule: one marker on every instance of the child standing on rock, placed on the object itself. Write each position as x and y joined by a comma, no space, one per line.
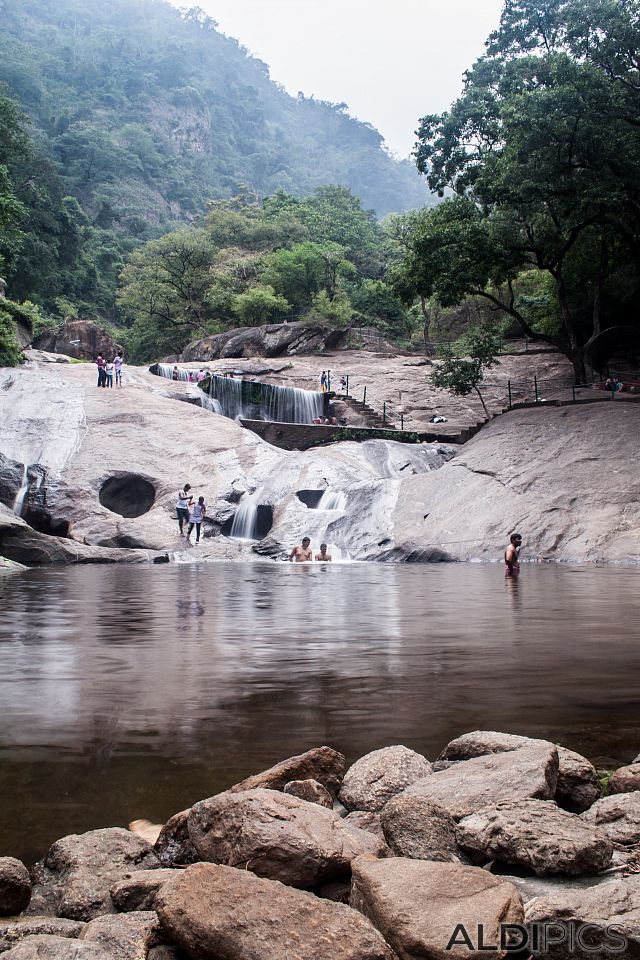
198,512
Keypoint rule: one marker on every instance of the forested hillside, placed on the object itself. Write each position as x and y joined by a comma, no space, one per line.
148,112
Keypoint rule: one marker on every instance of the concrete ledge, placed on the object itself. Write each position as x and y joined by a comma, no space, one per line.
302,436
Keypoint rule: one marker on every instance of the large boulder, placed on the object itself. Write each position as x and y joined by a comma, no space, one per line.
578,785
14,930
323,764
538,835
529,772
625,779
367,820
271,340
137,890
51,947
277,836
416,827
418,906
218,913
79,871
598,921
618,816
81,339
124,936
380,775
15,887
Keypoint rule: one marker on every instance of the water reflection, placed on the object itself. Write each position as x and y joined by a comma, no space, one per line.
130,692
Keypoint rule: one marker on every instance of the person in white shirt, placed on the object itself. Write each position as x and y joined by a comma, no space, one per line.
183,503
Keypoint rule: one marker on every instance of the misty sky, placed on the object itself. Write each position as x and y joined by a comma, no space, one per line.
391,60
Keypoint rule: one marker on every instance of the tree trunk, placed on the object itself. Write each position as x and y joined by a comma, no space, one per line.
575,353
597,290
484,406
426,324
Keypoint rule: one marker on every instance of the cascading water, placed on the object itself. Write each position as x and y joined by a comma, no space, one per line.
332,500
253,400
18,503
331,506
245,521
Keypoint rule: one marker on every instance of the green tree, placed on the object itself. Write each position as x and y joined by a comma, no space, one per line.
462,370
259,305
304,270
545,162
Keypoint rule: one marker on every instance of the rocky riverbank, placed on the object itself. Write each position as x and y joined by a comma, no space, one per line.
395,857
95,474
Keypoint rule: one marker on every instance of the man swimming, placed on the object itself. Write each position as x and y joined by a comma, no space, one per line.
323,555
511,562
302,554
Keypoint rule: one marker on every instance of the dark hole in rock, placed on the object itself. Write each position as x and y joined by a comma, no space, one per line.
43,522
127,494
310,497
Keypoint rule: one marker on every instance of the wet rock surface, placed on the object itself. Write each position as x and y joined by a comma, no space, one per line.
538,835
380,775
417,905
277,836
528,772
218,913
15,887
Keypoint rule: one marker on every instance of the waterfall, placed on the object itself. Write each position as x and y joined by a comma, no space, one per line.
208,403
18,503
332,500
252,399
245,521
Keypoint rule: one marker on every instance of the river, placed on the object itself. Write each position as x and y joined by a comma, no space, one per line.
129,692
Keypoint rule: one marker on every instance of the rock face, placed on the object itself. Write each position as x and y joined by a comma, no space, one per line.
529,772
311,791
417,828
366,820
578,785
277,836
47,947
272,340
127,937
380,775
79,870
137,891
597,921
15,887
618,816
15,930
538,835
417,905
218,913
323,764
81,339
625,779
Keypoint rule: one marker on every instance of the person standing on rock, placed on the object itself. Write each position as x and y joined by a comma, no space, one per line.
303,553
100,364
175,375
198,512
118,360
323,381
183,504
511,554
108,373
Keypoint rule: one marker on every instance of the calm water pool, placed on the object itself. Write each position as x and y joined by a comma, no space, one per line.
130,692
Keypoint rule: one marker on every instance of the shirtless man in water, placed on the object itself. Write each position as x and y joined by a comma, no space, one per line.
302,553
511,563
323,555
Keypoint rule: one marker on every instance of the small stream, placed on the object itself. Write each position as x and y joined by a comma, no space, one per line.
129,692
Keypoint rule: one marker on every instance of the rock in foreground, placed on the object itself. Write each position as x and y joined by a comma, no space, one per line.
49,947
218,913
416,827
323,764
418,905
15,887
529,772
625,779
618,816
536,834
380,775
277,836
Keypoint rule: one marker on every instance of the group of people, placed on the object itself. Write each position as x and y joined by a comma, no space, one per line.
326,421
192,377
108,369
190,513
325,382
304,554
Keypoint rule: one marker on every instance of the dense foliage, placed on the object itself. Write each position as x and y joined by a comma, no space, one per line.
321,258
141,114
542,156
